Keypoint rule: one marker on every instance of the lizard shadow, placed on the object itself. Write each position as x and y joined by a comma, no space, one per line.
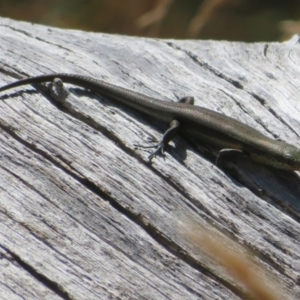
280,188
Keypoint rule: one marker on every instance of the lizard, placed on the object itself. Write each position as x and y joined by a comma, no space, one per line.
191,122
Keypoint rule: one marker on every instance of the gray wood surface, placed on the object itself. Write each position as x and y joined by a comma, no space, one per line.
84,215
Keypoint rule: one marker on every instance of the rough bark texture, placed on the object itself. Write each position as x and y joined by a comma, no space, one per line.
84,215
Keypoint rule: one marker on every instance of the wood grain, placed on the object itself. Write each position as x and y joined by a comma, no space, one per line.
84,215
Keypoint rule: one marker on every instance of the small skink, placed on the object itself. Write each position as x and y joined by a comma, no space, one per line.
192,122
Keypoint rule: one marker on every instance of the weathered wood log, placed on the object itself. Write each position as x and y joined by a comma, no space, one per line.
84,215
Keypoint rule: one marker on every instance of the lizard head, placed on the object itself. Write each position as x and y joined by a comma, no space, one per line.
290,157
280,155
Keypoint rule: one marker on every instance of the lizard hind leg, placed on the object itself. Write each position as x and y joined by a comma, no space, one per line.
228,153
